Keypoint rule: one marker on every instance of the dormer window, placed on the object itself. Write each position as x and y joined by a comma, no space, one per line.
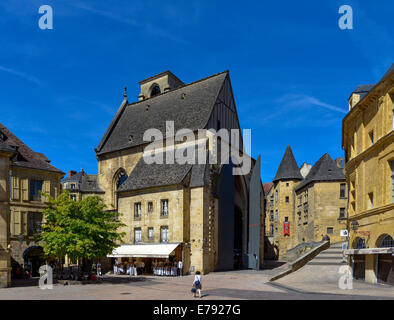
155,91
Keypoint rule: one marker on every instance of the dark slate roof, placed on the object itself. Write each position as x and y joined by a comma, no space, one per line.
6,148
155,175
363,90
75,178
199,176
26,157
325,169
88,182
192,111
288,169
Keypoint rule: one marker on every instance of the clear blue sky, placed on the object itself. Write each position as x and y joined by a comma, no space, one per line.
292,68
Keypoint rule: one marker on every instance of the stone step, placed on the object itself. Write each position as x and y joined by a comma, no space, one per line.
333,252
326,263
327,258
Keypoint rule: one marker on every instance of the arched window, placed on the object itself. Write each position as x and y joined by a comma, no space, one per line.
121,178
155,91
387,242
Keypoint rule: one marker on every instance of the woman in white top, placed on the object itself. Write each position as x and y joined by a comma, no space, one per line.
197,284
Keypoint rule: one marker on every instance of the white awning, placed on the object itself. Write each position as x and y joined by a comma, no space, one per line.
162,250
369,251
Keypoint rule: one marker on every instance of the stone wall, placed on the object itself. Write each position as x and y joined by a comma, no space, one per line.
5,271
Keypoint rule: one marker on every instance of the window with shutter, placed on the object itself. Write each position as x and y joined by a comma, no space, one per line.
12,224
35,190
24,223
15,188
25,190
46,189
30,223
16,221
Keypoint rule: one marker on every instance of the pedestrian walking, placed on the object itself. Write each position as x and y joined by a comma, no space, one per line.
197,286
116,267
98,268
180,268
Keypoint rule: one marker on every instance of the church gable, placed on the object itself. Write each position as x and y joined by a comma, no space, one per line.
224,114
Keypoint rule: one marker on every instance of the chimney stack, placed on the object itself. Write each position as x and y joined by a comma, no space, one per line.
71,173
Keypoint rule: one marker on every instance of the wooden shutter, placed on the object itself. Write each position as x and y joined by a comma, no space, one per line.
25,189
15,188
12,224
24,223
46,189
17,222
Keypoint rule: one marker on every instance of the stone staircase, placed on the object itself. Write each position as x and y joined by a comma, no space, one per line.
329,257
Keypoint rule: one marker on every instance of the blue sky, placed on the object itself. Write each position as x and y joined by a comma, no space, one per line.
292,68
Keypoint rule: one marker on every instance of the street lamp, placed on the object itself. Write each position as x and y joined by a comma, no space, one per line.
355,225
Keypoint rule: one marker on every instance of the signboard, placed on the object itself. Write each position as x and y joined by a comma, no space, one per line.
286,228
344,233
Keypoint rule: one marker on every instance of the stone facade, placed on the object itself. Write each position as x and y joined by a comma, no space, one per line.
5,262
280,208
320,211
368,139
24,175
305,204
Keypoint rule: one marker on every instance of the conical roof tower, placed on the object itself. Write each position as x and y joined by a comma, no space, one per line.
288,169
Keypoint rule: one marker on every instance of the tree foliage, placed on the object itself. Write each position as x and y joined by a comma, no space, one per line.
79,229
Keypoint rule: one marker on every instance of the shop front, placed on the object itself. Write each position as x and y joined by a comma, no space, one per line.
147,259
374,265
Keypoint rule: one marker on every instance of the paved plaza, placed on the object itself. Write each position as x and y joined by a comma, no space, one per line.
216,286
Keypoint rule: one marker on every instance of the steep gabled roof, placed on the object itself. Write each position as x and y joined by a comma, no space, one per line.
189,106
325,169
288,168
26,157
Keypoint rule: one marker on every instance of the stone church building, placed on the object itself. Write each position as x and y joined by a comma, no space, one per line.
199,213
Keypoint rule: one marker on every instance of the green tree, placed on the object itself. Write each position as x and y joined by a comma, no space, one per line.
79,229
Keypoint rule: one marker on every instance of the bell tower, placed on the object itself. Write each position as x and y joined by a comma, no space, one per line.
160,83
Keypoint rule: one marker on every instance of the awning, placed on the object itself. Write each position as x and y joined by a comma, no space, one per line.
369,251
144,250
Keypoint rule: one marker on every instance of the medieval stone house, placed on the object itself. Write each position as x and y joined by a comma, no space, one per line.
24,174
